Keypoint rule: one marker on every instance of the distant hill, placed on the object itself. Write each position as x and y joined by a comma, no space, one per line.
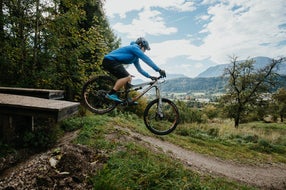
174,76
210,85
211,80
169,77
217,71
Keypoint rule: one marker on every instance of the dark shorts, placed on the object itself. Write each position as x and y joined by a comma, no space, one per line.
115,68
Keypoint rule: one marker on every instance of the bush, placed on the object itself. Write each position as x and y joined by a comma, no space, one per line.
211,111
263,146
72,124
251,138
136,109
189,115
40,139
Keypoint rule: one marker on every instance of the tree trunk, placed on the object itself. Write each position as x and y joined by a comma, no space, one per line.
236,122
36,37
1,22
237,116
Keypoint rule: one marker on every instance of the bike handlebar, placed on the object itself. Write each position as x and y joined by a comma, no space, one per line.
157,78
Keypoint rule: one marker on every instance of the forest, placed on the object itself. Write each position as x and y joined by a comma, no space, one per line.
53,44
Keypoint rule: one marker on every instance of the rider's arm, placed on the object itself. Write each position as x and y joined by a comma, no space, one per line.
146,59
140,70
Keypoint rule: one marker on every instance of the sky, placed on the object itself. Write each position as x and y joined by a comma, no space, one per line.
188,36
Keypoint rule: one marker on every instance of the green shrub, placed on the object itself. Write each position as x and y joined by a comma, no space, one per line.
5,149
250,138
72,124
263,146
188,114
211,111
41,138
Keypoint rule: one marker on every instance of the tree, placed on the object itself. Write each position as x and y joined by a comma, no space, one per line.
15,23
77,42
280,103
245,86
53,44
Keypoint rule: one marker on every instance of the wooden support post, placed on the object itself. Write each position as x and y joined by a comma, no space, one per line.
14,126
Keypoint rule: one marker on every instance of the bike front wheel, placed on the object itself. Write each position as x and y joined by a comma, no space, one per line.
161,118
94,92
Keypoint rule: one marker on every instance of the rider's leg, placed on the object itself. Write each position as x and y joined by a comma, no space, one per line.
121,82
118,84
120,73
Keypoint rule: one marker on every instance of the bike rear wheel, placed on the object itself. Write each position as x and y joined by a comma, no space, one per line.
94,92
163,120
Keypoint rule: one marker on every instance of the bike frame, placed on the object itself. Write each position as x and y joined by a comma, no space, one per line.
152,84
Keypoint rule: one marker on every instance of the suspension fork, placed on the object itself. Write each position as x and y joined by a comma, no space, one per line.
159,107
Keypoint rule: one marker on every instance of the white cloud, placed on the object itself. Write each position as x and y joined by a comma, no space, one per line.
240,27
163,52
169,49
126,6
149,22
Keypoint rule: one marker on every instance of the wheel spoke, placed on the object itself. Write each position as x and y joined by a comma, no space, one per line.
161,121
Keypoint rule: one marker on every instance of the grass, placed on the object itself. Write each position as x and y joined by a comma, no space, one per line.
251,143
133,166
255,142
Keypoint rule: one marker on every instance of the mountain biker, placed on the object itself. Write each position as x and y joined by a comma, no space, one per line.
113,62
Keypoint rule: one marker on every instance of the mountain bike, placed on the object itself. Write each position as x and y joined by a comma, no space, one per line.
161,115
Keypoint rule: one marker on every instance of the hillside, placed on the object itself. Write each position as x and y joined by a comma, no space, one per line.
211,80
217,71
212,84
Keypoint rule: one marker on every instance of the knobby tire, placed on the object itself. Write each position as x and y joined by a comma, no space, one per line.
93,94
165,124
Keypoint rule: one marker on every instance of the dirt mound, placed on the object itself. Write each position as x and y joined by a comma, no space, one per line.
65,167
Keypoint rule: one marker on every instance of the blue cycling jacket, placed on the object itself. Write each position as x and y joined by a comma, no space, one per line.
131,54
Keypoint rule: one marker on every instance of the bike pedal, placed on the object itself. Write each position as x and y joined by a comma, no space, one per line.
129,85
133,103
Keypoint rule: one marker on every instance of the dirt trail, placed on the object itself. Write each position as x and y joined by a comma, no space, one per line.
265,177
37,171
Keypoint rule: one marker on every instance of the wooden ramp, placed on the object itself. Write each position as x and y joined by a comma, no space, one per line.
33,106
40,93
20,113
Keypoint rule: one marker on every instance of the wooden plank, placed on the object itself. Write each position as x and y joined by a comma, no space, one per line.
32,106
40,93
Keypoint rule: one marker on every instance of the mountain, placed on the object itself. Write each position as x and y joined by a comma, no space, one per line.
214,71
174,76
260,62
169,77
210,85
211,81
178,85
